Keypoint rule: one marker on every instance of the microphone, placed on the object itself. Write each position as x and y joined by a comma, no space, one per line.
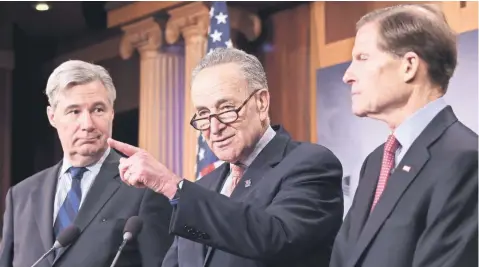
132,228
65,238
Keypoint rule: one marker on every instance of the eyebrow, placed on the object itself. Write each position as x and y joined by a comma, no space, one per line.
98,103
218,103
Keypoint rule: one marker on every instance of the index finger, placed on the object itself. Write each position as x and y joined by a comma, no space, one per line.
124,148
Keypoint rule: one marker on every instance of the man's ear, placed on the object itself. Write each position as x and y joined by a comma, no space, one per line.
410,66
51,116
262,103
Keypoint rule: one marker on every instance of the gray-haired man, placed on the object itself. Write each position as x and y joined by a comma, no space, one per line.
84,188
274,202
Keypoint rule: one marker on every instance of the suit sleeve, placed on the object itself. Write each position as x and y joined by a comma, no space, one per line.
171,258
450,237
306,210
341,242
154,239
6,246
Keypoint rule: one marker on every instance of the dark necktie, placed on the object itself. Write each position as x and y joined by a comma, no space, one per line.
69,209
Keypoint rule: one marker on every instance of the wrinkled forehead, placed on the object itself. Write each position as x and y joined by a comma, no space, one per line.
83,95
217,84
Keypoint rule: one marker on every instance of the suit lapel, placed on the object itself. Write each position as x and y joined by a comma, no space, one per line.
269,157
365,193
42,200
415,159
220,174
396,186
102,189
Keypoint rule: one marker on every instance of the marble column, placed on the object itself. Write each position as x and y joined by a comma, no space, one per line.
191,22
6,68
161,92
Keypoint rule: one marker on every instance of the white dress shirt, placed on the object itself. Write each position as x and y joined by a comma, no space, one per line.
412,127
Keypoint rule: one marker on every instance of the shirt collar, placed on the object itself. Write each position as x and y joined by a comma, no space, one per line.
265,139
93,167
413,126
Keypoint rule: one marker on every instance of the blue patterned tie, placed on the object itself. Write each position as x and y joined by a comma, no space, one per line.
70,206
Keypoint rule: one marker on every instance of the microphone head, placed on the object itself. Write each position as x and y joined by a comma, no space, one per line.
132,227
67,236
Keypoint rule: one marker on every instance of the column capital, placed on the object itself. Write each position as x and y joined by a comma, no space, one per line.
192,21
189,21
144,35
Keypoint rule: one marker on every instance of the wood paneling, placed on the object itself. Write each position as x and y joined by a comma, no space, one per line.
287,70
461,19
313,59
335,42
341,21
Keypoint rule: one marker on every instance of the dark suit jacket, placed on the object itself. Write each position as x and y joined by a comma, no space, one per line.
288,216
427,216
28,222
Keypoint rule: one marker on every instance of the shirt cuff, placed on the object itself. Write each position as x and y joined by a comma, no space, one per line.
176,197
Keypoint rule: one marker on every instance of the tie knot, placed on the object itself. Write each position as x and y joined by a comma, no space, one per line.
391,144
77,172
237,170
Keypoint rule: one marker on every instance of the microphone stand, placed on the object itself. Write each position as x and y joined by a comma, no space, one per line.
43,256
119,252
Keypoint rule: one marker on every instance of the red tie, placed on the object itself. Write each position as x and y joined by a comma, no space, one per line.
387,165
236,174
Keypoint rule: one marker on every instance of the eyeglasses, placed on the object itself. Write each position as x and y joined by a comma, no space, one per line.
229,116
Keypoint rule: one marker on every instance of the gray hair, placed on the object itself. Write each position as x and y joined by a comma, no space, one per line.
250,66
422,29
77,72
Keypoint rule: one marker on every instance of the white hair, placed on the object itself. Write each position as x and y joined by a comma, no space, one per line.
250,66
77,72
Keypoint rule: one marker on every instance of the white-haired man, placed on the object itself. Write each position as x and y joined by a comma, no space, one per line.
84,189
275,202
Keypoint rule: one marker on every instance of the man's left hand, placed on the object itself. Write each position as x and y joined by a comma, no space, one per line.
141,169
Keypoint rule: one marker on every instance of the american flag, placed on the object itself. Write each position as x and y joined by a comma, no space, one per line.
218,36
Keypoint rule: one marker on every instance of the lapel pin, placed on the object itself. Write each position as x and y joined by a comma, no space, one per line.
406,168
247,183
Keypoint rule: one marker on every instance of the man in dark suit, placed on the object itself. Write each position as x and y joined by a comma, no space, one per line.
416,203
274,202
84,188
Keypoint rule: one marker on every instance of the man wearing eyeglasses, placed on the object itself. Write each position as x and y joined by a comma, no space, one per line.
274,202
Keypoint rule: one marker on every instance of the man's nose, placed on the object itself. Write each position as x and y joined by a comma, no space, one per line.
86,121
348,77
216,126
